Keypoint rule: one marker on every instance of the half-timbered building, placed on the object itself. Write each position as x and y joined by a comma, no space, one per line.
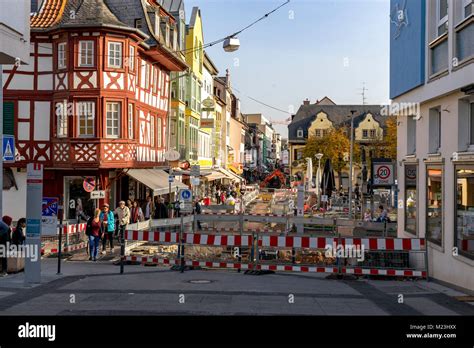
93,102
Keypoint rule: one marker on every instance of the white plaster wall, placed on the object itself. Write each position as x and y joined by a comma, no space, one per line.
14,201
42,121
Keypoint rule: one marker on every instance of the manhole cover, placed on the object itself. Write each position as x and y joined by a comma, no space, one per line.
200,281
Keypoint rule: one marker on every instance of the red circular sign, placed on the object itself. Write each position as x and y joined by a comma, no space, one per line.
383,172
89,184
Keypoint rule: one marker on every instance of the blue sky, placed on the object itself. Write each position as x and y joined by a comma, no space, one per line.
308,49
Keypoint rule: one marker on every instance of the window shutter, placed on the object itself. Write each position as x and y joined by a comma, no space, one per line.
8,118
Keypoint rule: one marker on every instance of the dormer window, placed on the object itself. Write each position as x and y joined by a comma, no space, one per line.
138,23
299,133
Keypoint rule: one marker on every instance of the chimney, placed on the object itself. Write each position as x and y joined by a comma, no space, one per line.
306,102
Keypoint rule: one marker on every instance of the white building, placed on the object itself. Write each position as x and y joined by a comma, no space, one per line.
432,83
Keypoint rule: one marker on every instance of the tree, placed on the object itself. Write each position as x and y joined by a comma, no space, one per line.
335,145
388,147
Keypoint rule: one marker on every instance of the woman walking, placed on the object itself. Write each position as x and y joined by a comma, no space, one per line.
94,232
108,222
136,214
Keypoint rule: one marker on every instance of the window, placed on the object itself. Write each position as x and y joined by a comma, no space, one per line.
86,53
131,120
159,138
61,113
113,120
372,133
115,54
442,16
365,133
299,133
9,118
434,130
318,133
411,135
410,198
156,80
152,131
467,7
464,239
86,116
167,35
131,59
434,206
138,23
62,55
471,124
147,76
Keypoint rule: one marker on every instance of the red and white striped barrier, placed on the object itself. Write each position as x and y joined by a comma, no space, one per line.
395,244
193,263
152,236
68,248
293,268
236,230
76,228
152,259
233,214
215,240
401,244
296,242
384,272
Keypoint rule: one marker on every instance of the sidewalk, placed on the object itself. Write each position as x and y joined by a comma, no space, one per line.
99,289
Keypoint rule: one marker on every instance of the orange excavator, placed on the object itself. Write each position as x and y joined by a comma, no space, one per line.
270,180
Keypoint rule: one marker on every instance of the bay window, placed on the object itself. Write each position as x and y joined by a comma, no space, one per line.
113,120
86,53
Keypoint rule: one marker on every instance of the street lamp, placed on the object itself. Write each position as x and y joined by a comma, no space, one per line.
350,163
318,177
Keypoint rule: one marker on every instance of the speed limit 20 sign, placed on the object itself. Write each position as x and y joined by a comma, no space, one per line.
384,174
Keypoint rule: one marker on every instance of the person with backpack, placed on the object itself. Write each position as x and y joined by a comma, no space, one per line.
94,231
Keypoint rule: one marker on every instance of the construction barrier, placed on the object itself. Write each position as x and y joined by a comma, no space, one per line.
280,250
73,238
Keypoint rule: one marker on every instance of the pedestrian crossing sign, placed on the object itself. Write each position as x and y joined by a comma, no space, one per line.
8,149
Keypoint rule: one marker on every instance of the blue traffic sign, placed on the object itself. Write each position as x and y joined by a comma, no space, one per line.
8,149
171,179
185,195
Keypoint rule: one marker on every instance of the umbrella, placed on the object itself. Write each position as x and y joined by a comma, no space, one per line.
309,172
328,181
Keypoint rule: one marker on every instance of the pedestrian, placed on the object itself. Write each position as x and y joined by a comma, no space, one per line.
368,215
108,225
177,209
223,197
80,211
123,215
136,214
161,211
149,208
198,211
94,231
129,204
19,235
218,196
383,217
4,240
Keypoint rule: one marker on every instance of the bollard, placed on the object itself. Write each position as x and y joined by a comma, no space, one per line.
182,245
122,249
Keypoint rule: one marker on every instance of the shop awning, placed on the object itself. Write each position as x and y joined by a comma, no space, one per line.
215,175
231,176
155,179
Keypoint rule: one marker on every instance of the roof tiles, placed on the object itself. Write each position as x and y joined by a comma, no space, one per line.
49,14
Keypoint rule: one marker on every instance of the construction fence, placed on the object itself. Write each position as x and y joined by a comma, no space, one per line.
341,247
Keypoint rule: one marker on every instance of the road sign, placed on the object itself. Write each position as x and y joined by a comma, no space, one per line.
195,170
324,198
172,155
195,181
98,194
186,207
185,195
89,184
410,175
383,174
8,148
171,179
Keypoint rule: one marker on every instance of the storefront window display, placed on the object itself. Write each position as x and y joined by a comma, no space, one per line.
410,198
434,218
465,210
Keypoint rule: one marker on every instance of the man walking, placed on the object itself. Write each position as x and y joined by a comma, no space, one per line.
108,222
123,213
149,208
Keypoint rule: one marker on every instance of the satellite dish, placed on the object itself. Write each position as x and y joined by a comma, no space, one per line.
231,44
